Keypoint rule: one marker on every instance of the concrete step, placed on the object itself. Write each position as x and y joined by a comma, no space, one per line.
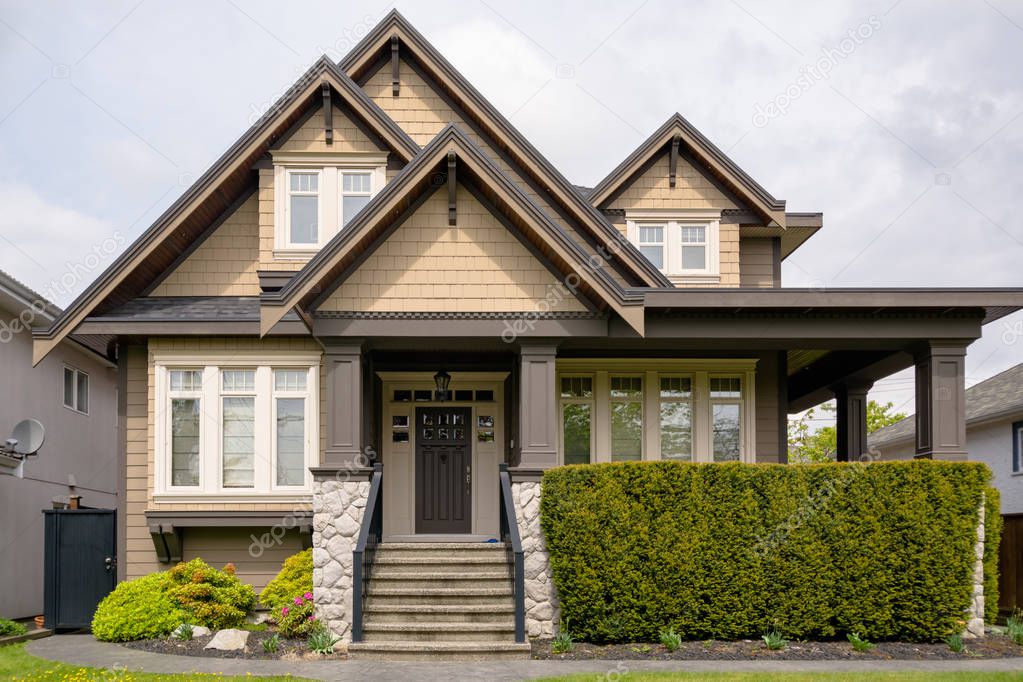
485,561
440,579
406,594
439,613
439,550
438,651
439,631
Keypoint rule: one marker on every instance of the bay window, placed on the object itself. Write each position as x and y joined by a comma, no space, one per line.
235,426
684,245
316,195
697,410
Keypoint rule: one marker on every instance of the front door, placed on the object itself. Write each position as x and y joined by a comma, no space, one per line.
443,470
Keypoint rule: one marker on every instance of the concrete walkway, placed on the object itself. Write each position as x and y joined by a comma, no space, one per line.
86,651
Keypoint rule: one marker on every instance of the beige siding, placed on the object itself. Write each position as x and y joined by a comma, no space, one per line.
769,422
756,262
223,265
693,189
312,136
422,113
141,415
220,546
729,254
427,265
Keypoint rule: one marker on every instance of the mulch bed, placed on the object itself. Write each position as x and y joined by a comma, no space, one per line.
289,649
992,646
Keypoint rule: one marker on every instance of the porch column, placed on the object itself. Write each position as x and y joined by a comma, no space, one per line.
941,400
343,364
851,419
538,408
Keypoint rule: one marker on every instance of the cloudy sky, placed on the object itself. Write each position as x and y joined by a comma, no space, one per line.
901,120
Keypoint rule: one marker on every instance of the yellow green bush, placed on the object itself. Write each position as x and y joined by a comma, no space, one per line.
137,609
215,599
294,580
735,550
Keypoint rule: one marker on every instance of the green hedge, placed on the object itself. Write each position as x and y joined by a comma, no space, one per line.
294,580
734,550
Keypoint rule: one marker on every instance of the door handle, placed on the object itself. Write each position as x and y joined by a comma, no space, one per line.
109,563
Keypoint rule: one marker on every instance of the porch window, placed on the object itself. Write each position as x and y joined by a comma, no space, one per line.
726,410
676,397
626,418
577,419
229,429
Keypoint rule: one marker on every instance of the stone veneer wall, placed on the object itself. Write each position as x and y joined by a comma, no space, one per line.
975,614
542,608
338,507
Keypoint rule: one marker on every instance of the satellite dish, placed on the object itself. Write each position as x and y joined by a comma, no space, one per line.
29,434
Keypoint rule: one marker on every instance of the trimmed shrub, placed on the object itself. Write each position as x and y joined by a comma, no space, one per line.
734,550
215,599
992,540
294,580
137,609
10,628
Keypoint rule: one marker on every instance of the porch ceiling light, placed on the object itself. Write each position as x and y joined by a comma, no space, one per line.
442,380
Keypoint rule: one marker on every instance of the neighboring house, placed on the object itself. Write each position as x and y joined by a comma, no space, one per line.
994,434
382,269
73,392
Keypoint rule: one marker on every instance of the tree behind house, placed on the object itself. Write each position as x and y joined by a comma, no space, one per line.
807,444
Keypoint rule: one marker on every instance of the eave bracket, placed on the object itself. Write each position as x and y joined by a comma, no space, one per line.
328,113
452,191
673,161
395,81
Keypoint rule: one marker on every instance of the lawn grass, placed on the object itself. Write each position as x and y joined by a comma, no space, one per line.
17,664
619,673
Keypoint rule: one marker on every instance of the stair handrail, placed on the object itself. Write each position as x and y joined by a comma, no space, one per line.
513,543
370,535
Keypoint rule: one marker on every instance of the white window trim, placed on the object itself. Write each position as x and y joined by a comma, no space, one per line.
700,370
329,167
74,394
674,220
210,488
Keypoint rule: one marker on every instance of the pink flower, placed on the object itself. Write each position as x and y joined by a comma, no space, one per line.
284,610
298,601
309,618
309,596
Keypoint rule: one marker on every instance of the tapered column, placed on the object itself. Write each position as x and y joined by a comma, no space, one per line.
538,408
344,404
851,420
941,400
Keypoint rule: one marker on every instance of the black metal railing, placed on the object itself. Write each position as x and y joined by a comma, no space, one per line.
513,544
370,535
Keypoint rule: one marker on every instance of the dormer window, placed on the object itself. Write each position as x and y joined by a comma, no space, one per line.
316,196
682,245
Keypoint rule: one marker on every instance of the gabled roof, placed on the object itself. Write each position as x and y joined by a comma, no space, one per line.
364,56
773,210
1000,396
214,193
399,199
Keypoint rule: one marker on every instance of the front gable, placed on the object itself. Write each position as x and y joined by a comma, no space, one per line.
427,265
650,188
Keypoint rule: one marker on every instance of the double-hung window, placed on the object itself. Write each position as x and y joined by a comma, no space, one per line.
577,419
682,246
316,197
626,418
676,401
76,390
230,427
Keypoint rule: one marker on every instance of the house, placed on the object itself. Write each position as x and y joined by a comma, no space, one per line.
994,435
383,270
73,392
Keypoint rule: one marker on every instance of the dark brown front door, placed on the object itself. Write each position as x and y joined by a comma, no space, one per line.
443,470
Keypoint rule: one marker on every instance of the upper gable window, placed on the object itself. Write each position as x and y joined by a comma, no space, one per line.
683,246
316,196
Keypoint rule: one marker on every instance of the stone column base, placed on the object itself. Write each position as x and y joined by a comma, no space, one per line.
338,507
543,611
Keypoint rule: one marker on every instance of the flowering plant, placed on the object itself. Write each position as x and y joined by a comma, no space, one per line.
296,619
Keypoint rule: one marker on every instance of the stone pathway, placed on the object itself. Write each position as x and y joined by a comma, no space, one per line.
84,650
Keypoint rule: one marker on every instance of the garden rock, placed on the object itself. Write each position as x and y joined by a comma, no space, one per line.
229,640
197,631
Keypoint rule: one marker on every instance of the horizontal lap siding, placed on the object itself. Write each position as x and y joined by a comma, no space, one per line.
428,265
756,262
256,556
770,422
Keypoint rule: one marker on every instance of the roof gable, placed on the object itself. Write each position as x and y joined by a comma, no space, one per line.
407,192
365,59
214,194
773,210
